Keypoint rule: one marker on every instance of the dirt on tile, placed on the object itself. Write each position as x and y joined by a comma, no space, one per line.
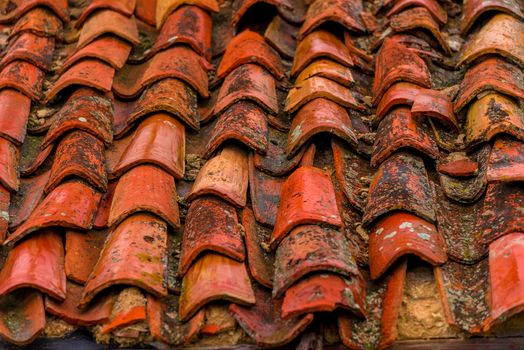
57,328
127,299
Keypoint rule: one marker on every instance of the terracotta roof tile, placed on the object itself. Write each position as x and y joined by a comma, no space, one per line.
32,48
473,9
23,316
125,7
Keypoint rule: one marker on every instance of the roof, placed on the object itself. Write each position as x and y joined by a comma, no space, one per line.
269,172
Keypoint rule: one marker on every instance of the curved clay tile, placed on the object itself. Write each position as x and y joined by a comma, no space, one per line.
318,44
24,77
36,263
249,47
145,188
72,204
506,160
344,12
102,213
214,277
21,7
14,114
263,321
398,234
177,62
319,116
87,110
395,63
190,25
492,74
96,313
129,310
145,10
399,129
401,93
135,254
125,7
23,316
38,21
458,164
225,175
107,48
88,72
473,9
325,292
32,48
434,104
307,197
260,263
82,155
292,10
4,207
211,225
490,115
26,199
311,249
165,7
159,140
108,22
401,183
248,82
9,156
317,87
281,35
82,250
243,121
502,35
327,68
438,13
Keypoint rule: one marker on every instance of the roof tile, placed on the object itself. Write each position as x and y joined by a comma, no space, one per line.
23,316
8,165
436,11
506,160
108,22
125,7
32,48
24,77
27,198
281,35
59,7
165,7
39,21
327,68
14,114
107,48
82,250
473,9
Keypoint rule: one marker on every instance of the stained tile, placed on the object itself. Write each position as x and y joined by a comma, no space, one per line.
502,35
177,62
399,234
88,72
264,324
8,165
327,68
79,154
135,254
318,44
108,22
24,77
307,197
165,7
491,74
311,249
165,325
39,21
145,188
4,212
473,9
58,7
325,292
129,309
243,121
458,164
125,7
249,47
159,140
102,214
316,87
419,18
211,225
281,35
72,204
32,157
490,115
190,25
145,10
87,110
96,313
506,160
401,183
225,175
107,48
400,129
248,82
214,277
26,199
346,13
82,250
32,48
319,116
433,7
14,114
434,104
397,63
36,263
23,316
292,10
401,93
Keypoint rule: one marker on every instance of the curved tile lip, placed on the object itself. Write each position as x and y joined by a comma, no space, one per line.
474,9
125,7
32,48
506,161
437,12
59,7
29,307
165,7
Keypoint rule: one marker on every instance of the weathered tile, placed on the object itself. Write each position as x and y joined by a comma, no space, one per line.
23,316
506,160
32,48
327,68
39,21
14,114
82,250
125,7
434,8
26,199
9,155
165,7
281,35
473,9
58,7
108,48
24,77
108,22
